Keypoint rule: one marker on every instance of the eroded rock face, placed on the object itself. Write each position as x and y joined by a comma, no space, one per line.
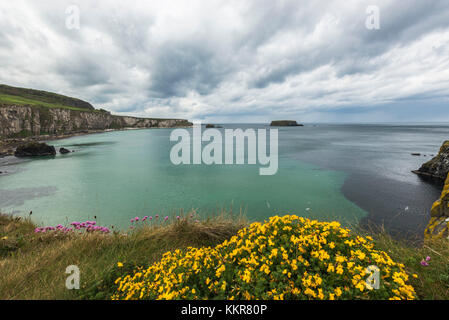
438,167
35,149
439,216
23,121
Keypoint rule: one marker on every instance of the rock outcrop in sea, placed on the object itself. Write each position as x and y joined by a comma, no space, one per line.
64,150
35,149
438,167
439,216
285,123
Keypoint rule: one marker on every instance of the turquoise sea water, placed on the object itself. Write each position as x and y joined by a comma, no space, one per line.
349,172
119,175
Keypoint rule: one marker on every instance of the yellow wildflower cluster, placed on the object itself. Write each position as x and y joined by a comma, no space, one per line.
286,257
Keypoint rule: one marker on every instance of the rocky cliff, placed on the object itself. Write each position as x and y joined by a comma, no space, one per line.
438,167
439,216
24,121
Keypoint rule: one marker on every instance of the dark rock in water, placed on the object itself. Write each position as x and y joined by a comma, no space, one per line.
416,154
64,151
285,123
437,167
208,126
35,149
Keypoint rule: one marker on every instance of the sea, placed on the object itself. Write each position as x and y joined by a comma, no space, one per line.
358,174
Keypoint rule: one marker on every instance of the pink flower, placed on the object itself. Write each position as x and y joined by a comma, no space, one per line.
427,258
166,218
424,263
178,217
157,216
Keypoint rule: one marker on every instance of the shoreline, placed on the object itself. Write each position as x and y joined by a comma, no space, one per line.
8,145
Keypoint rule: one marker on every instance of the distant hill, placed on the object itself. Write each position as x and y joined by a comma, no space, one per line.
30,97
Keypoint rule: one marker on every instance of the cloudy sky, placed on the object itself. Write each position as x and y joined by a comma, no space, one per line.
235,61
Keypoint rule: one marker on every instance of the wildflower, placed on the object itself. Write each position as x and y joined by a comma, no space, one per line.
119,264
252,258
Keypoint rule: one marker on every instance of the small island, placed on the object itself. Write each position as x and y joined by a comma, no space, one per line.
209,126
285,123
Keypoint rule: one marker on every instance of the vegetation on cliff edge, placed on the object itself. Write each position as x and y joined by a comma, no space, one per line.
22,96
32,265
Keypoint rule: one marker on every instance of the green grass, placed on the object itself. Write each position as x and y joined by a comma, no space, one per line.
432,282
32,266
24,96
21,101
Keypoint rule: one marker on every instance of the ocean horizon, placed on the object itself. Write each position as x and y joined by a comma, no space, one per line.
353,173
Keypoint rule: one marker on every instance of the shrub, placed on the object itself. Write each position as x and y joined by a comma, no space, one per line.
284,258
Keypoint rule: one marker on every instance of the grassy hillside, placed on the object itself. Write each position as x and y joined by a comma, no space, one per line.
32,265
21,96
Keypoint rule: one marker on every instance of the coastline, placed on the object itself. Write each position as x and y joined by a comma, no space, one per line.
8,145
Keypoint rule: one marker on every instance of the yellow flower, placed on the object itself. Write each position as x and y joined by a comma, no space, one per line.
119,264
250,257
338,291
220,271
5,238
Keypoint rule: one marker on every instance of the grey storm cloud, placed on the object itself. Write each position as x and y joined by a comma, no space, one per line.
231,60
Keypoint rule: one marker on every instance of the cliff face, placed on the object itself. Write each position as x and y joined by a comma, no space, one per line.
438,167
439,215
23,121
